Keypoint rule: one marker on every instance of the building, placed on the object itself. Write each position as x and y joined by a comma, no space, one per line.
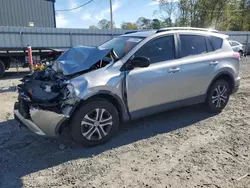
27,13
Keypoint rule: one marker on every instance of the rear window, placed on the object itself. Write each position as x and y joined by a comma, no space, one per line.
216,42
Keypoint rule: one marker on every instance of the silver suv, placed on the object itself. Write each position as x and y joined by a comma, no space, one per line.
92,90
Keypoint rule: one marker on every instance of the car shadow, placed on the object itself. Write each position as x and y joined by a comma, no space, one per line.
22,152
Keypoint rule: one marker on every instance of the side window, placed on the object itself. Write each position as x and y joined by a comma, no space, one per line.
192,45
216,42
161,49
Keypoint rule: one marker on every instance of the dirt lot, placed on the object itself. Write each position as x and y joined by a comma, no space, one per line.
186,147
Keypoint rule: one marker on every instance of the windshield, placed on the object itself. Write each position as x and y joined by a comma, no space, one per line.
122,45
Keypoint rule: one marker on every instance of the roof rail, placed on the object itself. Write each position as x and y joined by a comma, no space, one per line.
128,32
186,28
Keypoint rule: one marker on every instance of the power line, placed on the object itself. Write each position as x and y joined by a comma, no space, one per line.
98,4
80,6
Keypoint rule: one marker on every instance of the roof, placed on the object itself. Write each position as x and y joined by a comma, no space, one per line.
187,28
141,33
176,30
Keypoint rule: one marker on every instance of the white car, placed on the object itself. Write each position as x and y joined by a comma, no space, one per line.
237,47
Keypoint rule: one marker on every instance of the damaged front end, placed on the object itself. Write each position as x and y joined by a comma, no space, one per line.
45,102
47,98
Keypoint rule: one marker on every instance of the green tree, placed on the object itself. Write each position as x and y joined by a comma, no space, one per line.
219,14
128,25
143,23
105,24
93,27
156,24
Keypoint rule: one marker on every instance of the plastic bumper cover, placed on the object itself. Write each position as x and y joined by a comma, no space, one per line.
41,122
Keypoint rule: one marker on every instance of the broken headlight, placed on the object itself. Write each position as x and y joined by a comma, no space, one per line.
71,91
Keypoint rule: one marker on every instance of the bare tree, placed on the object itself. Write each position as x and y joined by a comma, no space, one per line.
167,9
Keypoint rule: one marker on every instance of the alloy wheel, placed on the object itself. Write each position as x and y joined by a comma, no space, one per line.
96,124
220,96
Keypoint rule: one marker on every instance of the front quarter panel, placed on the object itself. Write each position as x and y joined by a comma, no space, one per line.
107,79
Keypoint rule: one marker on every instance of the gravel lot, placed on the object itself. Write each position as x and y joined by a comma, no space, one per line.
187,147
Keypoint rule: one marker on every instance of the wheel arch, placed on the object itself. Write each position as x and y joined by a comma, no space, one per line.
112,98
225,75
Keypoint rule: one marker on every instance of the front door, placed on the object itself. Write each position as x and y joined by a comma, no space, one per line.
150,89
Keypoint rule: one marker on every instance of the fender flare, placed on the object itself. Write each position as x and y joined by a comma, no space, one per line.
220,74
122,106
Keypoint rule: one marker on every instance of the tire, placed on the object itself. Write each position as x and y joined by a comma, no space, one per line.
218,96
2,68
241,53
88,132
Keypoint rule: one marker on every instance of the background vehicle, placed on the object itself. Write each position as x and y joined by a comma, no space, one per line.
19,57
92,90
237,47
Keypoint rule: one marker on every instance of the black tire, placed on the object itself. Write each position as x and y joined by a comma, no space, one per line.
76,126
241,53
214,105
2,68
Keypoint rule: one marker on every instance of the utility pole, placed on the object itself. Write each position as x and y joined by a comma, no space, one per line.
111,15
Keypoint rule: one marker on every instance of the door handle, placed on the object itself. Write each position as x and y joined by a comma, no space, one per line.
173,70
214,63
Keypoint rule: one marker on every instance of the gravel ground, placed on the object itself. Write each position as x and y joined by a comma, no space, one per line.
187,147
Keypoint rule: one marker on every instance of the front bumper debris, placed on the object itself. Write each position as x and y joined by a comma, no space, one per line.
42,122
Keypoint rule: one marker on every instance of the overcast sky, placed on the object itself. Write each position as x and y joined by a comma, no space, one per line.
123,10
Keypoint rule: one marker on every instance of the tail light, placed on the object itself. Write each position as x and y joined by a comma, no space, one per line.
236,55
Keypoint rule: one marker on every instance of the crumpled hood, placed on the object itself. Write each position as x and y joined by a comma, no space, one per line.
78,59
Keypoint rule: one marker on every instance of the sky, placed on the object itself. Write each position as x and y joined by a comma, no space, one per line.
91,14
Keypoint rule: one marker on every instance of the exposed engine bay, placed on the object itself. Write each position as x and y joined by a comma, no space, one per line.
50,89
45,90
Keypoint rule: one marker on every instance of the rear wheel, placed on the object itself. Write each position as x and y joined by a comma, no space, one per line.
2,68
218,96
94,123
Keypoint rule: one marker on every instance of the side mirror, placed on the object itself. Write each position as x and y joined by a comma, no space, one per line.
140,61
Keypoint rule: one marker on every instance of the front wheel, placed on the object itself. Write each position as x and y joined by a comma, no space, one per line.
94,123
218,96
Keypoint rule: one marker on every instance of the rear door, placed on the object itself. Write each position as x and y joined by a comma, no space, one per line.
199,60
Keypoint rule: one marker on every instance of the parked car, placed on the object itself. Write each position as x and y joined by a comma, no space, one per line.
92,90
237,47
